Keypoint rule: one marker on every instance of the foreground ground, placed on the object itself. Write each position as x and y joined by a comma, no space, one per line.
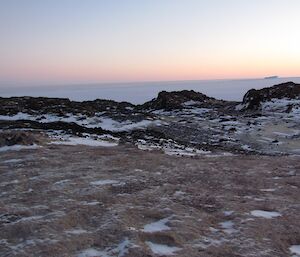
60,200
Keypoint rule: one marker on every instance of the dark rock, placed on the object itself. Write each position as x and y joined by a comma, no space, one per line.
59,106
6,218
68,127
17,138
253,98
174,100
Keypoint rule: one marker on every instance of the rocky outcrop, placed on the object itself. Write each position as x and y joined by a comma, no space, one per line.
193,125
176,100
63,106
59,106
254,98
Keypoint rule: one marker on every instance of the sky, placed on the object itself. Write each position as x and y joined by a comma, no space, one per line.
76,41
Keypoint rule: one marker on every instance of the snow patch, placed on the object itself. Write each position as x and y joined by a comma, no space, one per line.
246,148
268,190
295,249
170,147
191,102
227,227
18,147
240,107
82,120
281,105
104,182
185,152
84,141
30,219
160,249
159,225
18,116
119,251
91,252
265,214
113,125
12,161
228,213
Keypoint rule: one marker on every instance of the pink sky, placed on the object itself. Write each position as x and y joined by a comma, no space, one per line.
100,41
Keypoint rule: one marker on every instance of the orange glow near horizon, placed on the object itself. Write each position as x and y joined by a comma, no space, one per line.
159,72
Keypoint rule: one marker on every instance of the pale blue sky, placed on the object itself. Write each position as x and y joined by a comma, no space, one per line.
62,41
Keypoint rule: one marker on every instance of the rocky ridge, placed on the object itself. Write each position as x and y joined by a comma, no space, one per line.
266,122
59,106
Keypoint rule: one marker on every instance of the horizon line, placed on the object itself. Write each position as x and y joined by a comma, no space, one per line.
57,84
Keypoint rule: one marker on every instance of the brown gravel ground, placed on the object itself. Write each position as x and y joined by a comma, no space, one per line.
50,207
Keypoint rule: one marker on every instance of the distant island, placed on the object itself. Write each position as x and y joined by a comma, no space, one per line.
272,77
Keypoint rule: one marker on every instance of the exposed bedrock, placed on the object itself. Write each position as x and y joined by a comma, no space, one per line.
176,99
254,98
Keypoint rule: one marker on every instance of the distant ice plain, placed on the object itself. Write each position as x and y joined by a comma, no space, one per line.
140,92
